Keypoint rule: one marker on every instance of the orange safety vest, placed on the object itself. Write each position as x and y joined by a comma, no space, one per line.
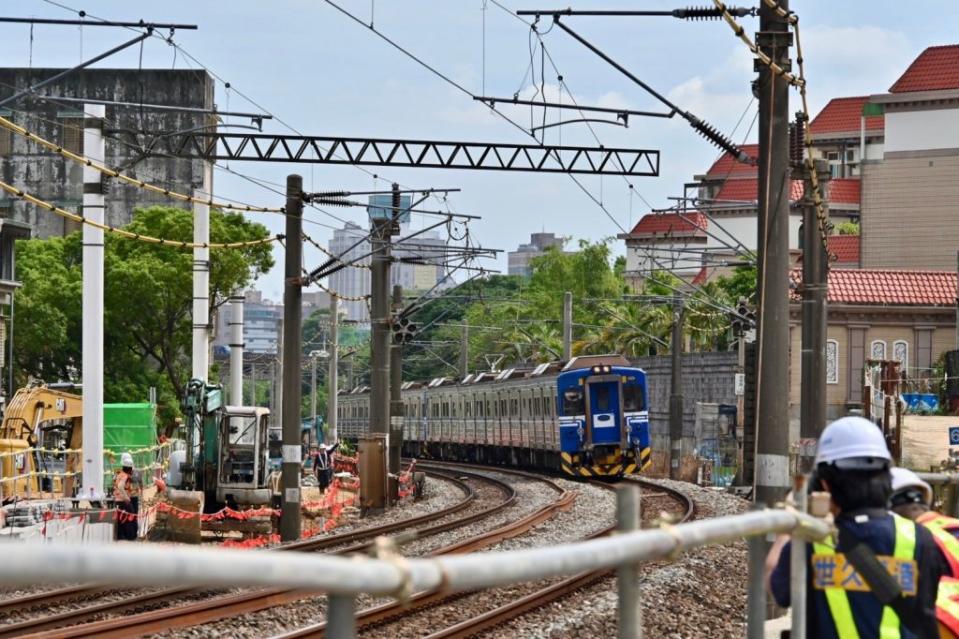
944,530
947,608
122,487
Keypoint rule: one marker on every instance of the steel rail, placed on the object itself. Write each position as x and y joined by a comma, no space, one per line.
354,538
218,608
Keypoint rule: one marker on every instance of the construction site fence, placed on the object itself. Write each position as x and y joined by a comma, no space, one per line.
389,574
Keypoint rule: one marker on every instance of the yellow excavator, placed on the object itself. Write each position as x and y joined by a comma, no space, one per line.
41,433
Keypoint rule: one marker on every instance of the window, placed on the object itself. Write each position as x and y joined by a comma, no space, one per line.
878,349
832,156
71,134
900,352
602,398
573,403
832,361
633,398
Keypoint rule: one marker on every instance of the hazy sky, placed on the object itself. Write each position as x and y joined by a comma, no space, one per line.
323,74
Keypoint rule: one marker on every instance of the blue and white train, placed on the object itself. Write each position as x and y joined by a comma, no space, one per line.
588,418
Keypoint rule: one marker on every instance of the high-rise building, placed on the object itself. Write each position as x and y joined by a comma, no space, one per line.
55,179
519,260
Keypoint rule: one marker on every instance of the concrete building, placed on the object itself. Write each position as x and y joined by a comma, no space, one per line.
58,180
261,321
427,249
519,260
665,242
910,196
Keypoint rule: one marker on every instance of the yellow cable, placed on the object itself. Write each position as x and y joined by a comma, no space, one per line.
129,234
102,168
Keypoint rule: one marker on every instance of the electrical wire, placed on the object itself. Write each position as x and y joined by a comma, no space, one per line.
12,190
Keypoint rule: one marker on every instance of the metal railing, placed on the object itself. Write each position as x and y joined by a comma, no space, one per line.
393,575
946,485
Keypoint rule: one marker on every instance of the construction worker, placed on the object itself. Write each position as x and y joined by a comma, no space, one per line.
126,494
323,465
912,499
879,578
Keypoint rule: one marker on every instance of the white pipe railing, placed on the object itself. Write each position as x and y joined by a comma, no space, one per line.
343,578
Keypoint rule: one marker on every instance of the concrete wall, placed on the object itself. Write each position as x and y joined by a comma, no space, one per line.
910,212
58,180
920,130
745,229
707,377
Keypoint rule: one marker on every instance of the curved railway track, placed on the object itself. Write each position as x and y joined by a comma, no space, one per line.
422,603
224,606
357,540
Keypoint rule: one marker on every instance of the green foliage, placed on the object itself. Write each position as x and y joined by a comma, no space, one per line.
847,228
147,302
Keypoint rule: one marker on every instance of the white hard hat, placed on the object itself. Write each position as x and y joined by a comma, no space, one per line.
903,479
126,460
853,443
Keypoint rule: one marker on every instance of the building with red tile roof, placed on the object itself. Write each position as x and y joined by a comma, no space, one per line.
665,241
728,167
690,224
844,249
881,287
936,69
844,192
842,117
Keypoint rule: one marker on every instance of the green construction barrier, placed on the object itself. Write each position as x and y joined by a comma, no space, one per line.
130,428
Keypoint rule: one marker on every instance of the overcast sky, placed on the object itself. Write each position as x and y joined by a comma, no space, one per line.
323,74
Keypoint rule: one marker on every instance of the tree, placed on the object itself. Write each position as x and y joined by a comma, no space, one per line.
148,302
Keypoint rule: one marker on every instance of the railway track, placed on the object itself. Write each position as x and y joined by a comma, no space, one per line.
356,540
208,609
423,603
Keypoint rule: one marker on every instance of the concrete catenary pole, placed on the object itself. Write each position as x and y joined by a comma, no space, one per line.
292,310
313,357
396,396
772,402
567,326
253,385
676,392
813,386
380,330
201,277
465,349
236,349
333,380
93,311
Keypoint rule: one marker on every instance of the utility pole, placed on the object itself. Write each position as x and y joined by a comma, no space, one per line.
201,277
567,326
772,410
93,311
333,380
465,349
380,333
292,311
236,349
252,384
313,356
676,392
396,399
815,269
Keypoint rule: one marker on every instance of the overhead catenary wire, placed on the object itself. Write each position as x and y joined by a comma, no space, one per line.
102,168
12,190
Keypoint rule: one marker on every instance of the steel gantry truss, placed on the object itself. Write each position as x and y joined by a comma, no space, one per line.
399,153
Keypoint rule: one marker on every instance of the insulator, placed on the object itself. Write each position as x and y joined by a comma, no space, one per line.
330,202
797,137
322,194
698,13
717,138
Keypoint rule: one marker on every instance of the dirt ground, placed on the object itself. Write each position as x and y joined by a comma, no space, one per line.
925,440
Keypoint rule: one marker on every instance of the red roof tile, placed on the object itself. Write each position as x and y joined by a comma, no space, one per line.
690,224
888,287
728,166
845,248
748,191
843,115
935,68
844,191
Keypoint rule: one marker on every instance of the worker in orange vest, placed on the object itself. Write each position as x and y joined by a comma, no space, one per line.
126,494
912,498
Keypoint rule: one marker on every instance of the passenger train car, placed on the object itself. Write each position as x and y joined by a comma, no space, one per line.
587,419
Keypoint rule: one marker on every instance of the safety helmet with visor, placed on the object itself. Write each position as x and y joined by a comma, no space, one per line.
908,488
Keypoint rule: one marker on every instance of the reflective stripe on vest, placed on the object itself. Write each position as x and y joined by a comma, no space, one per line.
838,599
947,604
941,528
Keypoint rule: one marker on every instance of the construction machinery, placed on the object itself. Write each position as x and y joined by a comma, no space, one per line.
40,440
227,450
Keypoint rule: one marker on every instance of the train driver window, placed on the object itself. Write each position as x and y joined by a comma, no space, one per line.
573,403
602,398
633,398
